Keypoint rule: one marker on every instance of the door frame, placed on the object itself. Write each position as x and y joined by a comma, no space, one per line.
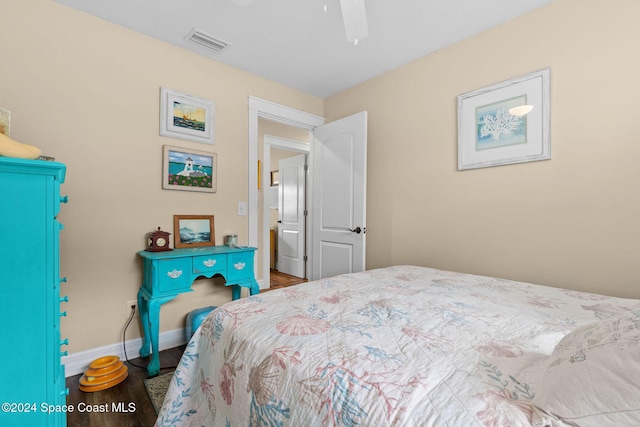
261,108
270,141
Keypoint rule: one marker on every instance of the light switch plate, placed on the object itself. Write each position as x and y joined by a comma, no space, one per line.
242,208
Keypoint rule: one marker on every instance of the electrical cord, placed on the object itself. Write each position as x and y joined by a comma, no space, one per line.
124,347
124,334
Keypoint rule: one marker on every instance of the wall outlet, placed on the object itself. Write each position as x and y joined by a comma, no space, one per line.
133,303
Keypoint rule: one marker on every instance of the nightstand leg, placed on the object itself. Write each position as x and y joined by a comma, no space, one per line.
254,289
154,331
143,309
154,325
236,291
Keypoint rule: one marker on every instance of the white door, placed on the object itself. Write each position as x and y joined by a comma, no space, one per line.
291,215
339,173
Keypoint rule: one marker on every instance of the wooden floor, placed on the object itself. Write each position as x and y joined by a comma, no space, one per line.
280,280
131,393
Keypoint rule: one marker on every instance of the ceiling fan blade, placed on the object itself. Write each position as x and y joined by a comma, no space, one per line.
354,15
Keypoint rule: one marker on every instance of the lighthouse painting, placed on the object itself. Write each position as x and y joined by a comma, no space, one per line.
189,170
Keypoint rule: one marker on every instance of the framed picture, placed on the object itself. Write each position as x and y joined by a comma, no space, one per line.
186,117
505,123
5,122
191,231
275,178
189,170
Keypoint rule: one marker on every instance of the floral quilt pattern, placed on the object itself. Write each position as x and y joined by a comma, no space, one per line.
398,346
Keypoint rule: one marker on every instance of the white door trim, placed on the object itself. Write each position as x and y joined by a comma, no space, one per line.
270,141
281,114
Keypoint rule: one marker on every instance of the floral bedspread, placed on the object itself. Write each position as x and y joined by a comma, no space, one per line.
399,346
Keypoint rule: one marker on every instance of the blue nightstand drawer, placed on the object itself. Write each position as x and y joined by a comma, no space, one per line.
174,275
208,264
240,266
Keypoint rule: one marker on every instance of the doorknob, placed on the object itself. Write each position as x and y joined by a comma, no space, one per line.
356,230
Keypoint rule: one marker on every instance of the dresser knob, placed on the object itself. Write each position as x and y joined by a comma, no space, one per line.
64,353
64,298
209,263
65,392
64,199
64,341
239,265
63,314
64,279
61,226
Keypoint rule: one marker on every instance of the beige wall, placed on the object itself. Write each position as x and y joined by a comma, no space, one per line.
573,221
87,92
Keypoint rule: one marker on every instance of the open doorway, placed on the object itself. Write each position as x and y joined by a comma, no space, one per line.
285,207
263,112
336,240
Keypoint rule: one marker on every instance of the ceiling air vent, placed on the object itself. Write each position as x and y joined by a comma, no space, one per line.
207,41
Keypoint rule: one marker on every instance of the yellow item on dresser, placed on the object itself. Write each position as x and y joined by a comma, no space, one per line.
11,148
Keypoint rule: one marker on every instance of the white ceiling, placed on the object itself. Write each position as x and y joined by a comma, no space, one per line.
295,43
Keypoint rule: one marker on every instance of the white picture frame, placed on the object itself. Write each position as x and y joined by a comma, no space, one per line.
495,128
186,117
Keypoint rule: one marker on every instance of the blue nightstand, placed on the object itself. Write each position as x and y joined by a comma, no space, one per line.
168,274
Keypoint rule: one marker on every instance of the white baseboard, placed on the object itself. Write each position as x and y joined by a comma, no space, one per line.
77,363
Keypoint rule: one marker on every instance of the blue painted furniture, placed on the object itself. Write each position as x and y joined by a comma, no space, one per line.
168,274
195,319
31,373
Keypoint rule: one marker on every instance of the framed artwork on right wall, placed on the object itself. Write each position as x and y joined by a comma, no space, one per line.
505,123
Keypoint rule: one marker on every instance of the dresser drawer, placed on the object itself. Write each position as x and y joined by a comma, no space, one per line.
240,267
210,264
174,275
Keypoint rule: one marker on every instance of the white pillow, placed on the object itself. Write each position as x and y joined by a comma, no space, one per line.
592,377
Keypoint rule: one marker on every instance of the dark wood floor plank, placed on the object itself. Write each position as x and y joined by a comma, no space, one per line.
101,409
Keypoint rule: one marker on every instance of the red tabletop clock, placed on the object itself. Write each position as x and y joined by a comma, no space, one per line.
158,241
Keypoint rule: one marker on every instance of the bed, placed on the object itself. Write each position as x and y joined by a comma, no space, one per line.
412,346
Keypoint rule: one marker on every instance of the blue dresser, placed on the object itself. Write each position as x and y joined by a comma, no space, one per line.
168,274
32,381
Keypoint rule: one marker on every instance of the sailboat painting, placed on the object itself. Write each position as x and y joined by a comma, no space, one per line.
189,116
186,117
